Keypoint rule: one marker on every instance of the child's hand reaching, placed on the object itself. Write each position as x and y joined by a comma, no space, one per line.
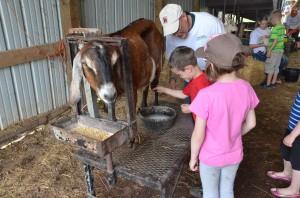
159,89
185,108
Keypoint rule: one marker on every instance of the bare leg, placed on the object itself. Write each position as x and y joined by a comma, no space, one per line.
269,78
294,188
274,78
287,170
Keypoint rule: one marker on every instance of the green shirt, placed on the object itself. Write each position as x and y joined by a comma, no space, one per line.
277,32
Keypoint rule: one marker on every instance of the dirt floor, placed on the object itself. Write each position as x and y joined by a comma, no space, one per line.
41,166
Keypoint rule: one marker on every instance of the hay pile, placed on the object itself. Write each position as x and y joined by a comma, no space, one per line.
253,71
43,167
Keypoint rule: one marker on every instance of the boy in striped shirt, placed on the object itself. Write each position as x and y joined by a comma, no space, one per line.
275,49
290,150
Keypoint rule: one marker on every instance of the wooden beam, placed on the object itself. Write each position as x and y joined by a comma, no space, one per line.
158,8
65,12
74,12
30,124
24,55
196,7
69,10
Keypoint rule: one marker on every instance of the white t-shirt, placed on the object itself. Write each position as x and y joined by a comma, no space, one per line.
293,22
255,36
204,27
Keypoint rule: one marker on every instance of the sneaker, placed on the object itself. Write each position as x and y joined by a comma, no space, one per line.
265,86
273,85
196,192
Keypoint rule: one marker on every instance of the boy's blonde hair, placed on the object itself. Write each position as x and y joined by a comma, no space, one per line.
276,14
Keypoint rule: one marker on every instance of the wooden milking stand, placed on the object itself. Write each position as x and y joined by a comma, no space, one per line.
89,97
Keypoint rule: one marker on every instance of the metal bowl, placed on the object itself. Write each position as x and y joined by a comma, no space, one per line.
158,118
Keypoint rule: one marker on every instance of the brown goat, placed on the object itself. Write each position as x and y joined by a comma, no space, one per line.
100,63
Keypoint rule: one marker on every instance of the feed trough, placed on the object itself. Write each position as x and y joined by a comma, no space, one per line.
98,136
158,117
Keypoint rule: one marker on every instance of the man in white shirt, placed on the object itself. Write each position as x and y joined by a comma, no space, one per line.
287,10
191,29
292,23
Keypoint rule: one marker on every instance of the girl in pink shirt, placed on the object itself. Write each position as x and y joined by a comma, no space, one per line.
224,112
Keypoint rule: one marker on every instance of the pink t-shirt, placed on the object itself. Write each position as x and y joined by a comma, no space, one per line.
224,106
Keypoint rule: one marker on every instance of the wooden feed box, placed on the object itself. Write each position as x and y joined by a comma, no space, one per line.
98,136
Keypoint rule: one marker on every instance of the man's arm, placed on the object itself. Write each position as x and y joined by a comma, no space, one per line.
296,4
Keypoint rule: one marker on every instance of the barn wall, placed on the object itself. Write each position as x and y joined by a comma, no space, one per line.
187,5
35,87
113,15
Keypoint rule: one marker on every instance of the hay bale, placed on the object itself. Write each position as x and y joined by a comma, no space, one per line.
253,71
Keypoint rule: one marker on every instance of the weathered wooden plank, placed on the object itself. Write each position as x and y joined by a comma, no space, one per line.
29,124
158,8
24,55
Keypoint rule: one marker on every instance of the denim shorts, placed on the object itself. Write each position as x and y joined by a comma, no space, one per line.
260,56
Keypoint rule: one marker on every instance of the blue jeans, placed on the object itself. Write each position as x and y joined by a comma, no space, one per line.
283,62
260,56
218,181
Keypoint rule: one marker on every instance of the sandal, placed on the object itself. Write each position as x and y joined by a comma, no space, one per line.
273,176
276,193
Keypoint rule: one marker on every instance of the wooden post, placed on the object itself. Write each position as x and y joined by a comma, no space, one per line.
158,7
196,6
69,18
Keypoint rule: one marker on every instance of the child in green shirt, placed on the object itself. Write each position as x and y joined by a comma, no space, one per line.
275,49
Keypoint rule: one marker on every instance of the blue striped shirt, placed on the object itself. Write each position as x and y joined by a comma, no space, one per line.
295,113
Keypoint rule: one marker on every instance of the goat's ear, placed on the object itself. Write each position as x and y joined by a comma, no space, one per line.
77,75
114,57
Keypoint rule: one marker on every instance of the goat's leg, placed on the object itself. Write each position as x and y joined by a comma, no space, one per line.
153,85
135,140
144,99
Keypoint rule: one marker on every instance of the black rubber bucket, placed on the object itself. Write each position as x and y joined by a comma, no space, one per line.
158,118
292,74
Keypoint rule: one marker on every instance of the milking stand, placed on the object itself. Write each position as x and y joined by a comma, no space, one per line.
73,42
153,163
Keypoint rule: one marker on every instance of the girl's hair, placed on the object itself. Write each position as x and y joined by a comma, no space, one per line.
181,57
215,72
262,18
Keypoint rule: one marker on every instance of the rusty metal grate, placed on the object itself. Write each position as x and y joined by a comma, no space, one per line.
159,151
